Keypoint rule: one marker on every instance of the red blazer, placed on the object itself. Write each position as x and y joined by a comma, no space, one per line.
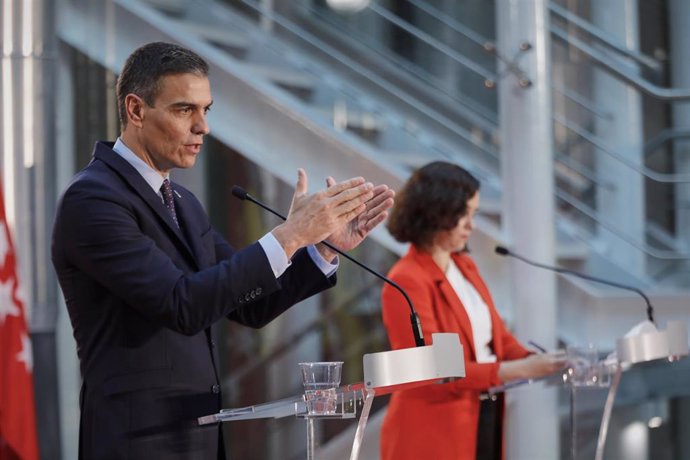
438,421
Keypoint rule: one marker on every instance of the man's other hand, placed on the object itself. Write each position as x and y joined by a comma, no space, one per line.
314,217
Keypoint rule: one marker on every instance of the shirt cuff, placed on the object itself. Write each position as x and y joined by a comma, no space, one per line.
325,266
275,254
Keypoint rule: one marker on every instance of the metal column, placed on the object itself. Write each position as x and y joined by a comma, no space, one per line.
679,20
528,211
27,39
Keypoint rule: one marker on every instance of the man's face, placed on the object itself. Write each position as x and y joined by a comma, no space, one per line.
172,130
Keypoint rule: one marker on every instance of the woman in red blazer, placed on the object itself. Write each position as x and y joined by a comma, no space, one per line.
435,212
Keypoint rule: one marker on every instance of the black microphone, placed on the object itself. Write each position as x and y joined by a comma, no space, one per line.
242,194
650,311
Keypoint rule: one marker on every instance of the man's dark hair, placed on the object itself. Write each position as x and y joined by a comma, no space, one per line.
145,67
433,199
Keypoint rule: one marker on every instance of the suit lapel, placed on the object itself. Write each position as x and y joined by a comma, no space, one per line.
471,273
190,228
452,301
189,223
458,310
130,175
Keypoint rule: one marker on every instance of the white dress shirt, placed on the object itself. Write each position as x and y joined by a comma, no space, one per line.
477,310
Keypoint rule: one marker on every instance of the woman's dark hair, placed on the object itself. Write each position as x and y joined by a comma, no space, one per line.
433,199
142,73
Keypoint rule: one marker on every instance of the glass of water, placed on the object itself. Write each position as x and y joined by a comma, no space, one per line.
320,380
584,370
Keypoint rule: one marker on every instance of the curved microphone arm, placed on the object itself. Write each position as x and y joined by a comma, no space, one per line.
242,194
650,311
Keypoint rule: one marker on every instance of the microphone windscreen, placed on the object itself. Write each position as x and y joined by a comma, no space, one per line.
502,251
239,192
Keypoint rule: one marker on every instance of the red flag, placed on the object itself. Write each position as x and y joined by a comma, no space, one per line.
17,414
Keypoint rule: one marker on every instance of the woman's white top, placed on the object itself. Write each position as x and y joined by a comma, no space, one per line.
477,310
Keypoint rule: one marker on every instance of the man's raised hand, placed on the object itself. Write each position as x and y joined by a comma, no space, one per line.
314,217
354,231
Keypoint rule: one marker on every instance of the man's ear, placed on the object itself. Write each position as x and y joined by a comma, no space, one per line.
134,106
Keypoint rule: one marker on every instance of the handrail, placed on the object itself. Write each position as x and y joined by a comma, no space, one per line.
665,237
486,44
470,110
643,247
665,136
668,94
401,95
604,38
426,38
581,170
463,30
643,170
588,105
627,75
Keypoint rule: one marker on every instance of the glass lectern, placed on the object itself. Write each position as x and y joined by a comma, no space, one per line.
384,373
643,344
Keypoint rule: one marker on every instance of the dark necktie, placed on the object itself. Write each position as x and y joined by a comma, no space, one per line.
167,191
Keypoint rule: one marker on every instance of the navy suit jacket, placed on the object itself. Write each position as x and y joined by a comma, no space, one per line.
142,295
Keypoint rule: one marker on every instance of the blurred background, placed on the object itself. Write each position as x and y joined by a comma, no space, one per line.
574,115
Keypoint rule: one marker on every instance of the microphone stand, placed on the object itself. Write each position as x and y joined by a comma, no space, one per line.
670,344
650,311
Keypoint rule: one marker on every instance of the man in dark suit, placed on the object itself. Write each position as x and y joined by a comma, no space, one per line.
144,274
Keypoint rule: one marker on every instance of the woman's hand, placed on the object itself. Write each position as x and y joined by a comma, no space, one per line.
531,367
